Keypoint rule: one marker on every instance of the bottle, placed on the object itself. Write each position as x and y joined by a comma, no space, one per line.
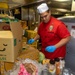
62,63
52,67
57,63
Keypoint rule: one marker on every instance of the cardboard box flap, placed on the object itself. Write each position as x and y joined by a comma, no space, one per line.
6,34
16,28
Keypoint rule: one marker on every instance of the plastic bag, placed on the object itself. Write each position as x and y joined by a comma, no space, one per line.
20,64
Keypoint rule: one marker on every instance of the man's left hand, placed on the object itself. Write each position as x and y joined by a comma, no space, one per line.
50,48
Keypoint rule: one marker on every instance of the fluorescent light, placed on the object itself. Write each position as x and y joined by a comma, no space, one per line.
62,10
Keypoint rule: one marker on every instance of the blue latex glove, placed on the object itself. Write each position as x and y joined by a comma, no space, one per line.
50,48
30,41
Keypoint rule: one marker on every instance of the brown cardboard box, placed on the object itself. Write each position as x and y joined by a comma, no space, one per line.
24,39
6,66
10,41
35,44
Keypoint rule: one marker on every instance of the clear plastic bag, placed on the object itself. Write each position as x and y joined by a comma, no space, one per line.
16,67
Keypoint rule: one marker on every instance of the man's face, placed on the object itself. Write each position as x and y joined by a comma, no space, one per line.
45,17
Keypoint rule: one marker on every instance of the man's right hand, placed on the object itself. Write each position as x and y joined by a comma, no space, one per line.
30,41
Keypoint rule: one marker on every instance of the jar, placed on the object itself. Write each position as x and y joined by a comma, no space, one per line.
52,67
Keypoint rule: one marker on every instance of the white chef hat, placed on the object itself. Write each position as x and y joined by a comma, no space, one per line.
42,8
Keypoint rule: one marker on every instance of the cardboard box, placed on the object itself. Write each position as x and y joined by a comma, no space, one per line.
10,41
6,66
24,39
31,34
35,44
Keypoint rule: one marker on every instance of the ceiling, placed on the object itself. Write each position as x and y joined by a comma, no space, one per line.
53,3
60,6
57,6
